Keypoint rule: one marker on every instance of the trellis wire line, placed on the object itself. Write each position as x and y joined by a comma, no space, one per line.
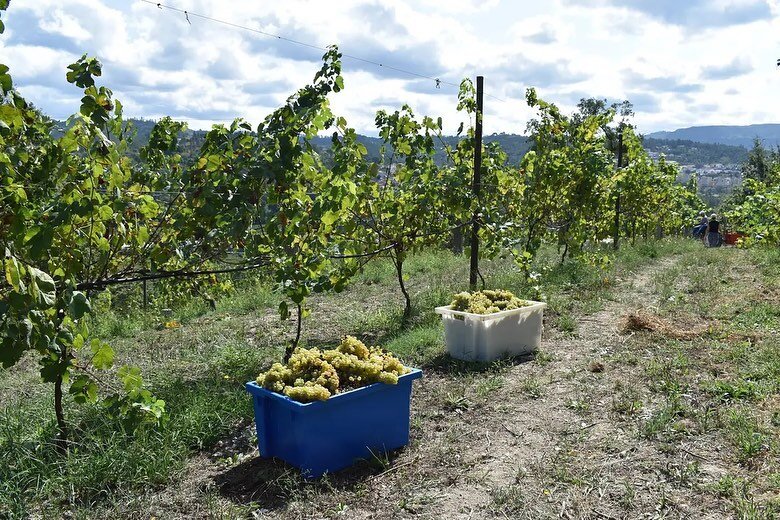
161,275
251,264
187,14
100,284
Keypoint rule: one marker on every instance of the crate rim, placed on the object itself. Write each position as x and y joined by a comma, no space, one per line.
447,310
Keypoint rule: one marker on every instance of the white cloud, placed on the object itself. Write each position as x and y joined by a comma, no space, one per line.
724,70
66,25
683,63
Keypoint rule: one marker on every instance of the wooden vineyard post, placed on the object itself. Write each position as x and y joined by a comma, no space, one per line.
476,186
616,238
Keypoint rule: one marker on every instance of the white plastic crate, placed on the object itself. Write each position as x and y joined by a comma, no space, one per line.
485,337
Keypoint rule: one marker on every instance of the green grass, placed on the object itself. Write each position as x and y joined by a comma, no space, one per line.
103,457
418,346
489,385
532,387
748,437
543,358
626,401
508,500
736,390
199,370
664,422
115,320
567,323
580,405
668,376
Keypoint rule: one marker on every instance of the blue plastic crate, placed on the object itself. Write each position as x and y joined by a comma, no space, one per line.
326,436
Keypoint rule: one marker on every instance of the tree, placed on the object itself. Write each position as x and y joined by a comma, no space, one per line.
758,164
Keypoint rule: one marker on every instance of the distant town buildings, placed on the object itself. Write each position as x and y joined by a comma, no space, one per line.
715,181
723,176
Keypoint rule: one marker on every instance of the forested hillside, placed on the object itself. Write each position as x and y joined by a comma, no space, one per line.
734,135
691,152
681,151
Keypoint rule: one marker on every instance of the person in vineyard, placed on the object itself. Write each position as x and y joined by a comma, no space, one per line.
712,238
698,230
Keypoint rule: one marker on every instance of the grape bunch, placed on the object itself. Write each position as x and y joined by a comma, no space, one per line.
315,375
487,302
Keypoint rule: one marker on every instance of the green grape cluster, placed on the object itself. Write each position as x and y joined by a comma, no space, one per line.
315,375
487,302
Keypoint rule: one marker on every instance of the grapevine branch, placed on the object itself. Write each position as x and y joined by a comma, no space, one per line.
100,284
364,255
398,243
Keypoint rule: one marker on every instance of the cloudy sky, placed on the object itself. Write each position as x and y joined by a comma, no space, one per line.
681,62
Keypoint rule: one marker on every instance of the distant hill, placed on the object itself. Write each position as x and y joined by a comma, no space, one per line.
691,152
514,145
190,141
725,134
682,151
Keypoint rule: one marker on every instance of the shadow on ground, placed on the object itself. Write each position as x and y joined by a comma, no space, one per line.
445,364
271,483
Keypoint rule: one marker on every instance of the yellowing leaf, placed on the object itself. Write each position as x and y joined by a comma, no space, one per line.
102,354
329,218
42,287
13,274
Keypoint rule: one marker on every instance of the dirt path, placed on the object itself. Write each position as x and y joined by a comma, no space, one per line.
548,430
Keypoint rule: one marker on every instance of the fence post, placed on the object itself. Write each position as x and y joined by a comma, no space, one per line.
616,238
475,187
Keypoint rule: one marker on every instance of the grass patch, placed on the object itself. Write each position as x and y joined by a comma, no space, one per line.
748,438
507,500
665,421
626,401
418,346
566,323
103,458
200,368
490,384
532,387
739,389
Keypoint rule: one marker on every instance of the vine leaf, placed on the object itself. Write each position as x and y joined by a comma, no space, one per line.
79,305
83,389
13,274
329,217
102,354
131,378
42,287
6,83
